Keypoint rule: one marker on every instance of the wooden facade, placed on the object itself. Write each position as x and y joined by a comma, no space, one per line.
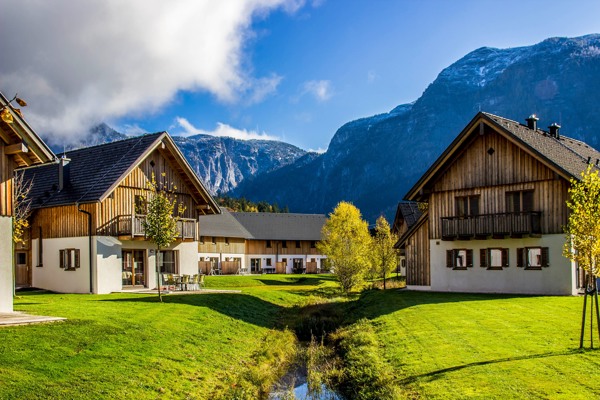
489,175
221,245
112,216
278,247
416,247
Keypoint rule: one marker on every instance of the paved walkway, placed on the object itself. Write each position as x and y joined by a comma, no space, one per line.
201,291
19,318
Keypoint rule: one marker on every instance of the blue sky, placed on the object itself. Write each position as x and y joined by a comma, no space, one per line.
285,69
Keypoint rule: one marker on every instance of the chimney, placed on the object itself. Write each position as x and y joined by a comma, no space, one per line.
532,121
554,130
64,172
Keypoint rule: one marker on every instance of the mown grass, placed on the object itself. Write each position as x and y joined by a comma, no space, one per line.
235,345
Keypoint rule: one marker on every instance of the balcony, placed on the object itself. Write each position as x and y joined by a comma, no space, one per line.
131,225
516,224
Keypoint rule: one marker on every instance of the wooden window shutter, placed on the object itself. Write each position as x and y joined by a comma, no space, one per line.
545,257
505,258
483,258
449,258
520,257
77,264
62,258
469,258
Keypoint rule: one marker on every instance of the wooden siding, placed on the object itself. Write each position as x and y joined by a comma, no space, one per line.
66,221
235,246
260,247
490,176
417,257
7,167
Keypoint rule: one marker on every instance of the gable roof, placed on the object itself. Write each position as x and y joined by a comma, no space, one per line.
409,212
566,156
97,170
19,131
412,229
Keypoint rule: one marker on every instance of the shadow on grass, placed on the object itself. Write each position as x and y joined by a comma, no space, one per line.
433,375
287,280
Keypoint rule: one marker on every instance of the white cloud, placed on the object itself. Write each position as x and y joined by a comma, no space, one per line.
371,76
319,150
322,90
81,62
222,130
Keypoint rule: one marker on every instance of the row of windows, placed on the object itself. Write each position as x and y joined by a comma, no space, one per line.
518,201
497,258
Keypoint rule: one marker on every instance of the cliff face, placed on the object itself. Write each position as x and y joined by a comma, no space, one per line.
373,161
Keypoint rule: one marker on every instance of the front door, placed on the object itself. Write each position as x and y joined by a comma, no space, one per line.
22,269
134,267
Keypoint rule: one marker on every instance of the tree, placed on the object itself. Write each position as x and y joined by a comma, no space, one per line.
384,255
345,240
582,243
22,206
160,224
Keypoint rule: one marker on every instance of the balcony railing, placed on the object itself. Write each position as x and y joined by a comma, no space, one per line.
131,225
504,224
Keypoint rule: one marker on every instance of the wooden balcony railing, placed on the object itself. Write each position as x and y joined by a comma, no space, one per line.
131,225
503,224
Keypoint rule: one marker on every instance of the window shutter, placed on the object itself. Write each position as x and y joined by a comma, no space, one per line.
449,258
62,258
545,257
469,258
77,265
520,257
483,258
505,258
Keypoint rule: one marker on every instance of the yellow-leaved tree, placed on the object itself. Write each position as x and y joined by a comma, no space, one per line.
582,243
346,242
384,255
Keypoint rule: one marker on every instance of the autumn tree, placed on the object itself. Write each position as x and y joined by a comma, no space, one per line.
345,240
22,206
162,215
384,255
583,235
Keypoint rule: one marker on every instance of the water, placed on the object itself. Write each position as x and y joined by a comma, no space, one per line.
300,391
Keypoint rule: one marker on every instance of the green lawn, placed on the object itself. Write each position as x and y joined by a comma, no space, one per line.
202,346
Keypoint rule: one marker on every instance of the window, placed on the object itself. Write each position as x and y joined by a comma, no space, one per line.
167,262
313,244
255,265
459,258
227,241
40,249
213,240
283,244
69,259
521,201
268,244
140,204
268,262
466,205
533,257
495,258
21,258
297,244
202,239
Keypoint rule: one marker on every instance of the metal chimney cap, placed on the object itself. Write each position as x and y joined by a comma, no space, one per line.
532,117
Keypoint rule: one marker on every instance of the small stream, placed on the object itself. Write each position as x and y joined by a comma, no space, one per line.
295,383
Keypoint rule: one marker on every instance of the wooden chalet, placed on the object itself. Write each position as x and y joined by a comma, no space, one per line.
20,147
495,211
90,206
242,242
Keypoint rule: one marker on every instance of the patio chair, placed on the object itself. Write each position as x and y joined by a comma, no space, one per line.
193,283
171,281
185,281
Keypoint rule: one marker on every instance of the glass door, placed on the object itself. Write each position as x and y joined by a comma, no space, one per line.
134,268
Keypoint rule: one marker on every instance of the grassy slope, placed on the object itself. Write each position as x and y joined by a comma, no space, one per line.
483,346
437,345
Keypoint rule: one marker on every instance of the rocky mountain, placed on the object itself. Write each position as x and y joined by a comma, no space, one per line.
374,161
221,162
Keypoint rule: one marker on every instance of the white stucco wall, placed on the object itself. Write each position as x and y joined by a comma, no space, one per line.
107,269
557,279
50,276
6,265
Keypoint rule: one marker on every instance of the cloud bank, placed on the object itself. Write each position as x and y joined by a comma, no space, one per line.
81,62
222,130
